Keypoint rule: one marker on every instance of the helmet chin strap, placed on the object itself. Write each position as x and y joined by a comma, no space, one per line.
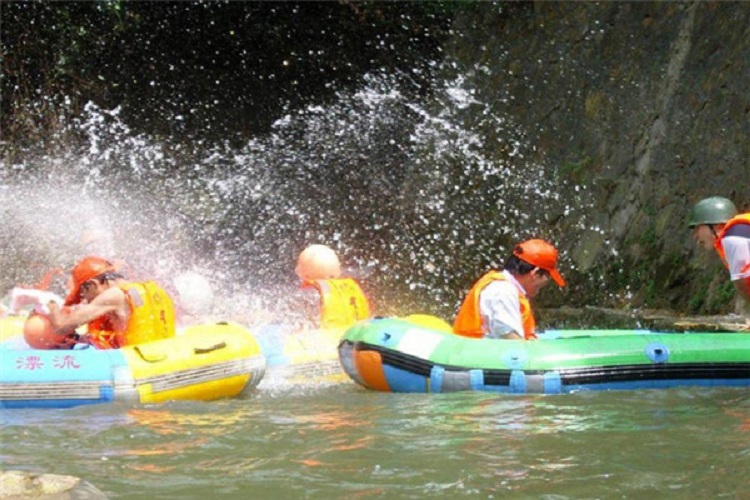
713,230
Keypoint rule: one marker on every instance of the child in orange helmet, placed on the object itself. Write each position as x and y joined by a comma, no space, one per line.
117,312
338,302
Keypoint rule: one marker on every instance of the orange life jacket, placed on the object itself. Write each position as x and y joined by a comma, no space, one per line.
342,302
738,219
151,318
101,333
469,320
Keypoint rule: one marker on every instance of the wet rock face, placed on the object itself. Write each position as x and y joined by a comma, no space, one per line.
645,105
27,485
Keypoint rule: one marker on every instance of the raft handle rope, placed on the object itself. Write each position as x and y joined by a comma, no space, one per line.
204,350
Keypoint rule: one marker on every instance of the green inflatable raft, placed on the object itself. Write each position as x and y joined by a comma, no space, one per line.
396,355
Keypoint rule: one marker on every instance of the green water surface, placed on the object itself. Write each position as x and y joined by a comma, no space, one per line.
345,442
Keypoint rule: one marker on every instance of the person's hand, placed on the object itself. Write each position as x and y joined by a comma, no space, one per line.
84,338
49,309
70,341
41,310
22,297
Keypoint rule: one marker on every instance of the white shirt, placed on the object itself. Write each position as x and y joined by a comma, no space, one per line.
500,308
737,253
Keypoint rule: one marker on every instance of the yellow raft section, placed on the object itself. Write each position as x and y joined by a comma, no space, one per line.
204,362
311,356
11,326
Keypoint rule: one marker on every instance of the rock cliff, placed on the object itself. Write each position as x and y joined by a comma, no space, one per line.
645,105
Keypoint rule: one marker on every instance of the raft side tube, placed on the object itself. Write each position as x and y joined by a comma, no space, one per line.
206,362
61,378
418,359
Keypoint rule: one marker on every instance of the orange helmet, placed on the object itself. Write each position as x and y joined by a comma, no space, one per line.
87,269
318,262
541,254
39,334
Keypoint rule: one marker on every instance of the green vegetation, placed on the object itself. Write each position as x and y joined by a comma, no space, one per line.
724,295
577,170
695,304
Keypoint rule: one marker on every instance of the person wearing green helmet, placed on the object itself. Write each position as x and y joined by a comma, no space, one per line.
717,224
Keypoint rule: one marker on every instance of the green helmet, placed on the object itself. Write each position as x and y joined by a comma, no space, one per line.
713,210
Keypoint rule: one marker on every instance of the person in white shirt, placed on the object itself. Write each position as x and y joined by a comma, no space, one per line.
717,224
498,304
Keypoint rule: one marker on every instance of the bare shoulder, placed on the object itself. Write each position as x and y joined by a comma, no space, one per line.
112,296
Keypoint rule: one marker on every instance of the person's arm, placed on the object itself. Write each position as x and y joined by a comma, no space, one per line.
308,302
111,300
499,304
511,336
737,252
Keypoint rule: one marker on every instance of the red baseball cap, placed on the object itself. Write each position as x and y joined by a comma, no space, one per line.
541,254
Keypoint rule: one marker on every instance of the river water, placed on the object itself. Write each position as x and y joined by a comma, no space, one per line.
342,441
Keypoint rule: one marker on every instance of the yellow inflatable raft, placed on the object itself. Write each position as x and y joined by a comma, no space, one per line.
205,362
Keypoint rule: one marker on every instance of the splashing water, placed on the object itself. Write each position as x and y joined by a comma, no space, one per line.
418,193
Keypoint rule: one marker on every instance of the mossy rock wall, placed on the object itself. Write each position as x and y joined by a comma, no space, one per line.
646,105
